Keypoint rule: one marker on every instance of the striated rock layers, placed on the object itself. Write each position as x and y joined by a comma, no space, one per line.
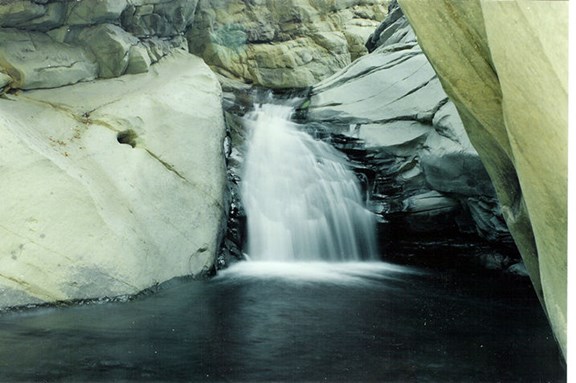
114,185
282,44
392,110
505,66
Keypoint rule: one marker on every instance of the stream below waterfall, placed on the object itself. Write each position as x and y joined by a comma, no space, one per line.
314,304
294,322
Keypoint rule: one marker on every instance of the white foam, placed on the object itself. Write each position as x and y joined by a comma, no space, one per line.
341,273
301,200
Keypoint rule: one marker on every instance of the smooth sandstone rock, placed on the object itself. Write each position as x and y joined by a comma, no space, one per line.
504,64
112,186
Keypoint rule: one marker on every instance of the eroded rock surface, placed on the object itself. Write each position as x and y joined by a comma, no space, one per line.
283,44
33,60
111,186
276,44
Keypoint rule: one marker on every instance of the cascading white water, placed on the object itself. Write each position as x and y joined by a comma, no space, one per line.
302,202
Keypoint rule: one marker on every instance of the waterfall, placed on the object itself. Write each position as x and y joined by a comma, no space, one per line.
302,202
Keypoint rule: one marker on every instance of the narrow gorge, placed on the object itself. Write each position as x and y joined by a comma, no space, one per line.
267,190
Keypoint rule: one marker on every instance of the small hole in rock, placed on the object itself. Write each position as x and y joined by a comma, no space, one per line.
127,137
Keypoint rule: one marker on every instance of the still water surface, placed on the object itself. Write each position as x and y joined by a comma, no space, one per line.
299,322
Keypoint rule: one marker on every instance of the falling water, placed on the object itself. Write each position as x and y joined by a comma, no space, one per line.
302,202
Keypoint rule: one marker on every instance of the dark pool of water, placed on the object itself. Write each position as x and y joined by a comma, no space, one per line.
294,323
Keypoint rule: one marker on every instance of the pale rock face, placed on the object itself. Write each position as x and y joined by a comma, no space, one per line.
505,66
282,44
112,186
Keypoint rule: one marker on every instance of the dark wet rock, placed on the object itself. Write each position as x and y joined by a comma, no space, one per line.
391,108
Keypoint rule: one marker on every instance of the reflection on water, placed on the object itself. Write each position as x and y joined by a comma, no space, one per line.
295,323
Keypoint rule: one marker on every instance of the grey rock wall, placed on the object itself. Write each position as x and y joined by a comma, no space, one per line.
390,104
282,44
275,44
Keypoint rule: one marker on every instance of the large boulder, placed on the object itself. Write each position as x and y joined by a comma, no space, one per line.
505,66
111,186
282,44
110,46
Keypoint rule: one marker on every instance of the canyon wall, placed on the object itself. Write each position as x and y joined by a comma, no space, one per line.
113,156
504,64
282,44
